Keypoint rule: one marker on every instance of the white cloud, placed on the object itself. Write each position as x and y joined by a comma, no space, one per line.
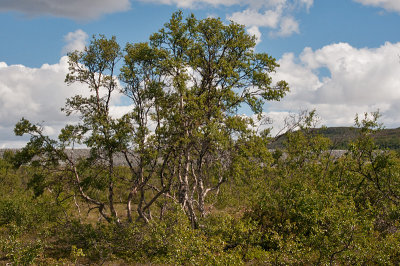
307,3
359,80
76,9
75,41
287,27
251,17
272,14
194,3
34,93
38,95
390,5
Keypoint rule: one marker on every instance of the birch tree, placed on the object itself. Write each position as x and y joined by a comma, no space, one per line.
186,86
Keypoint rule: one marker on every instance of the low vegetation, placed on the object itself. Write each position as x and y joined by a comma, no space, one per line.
306,208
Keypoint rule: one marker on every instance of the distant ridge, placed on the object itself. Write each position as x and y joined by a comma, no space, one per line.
342,136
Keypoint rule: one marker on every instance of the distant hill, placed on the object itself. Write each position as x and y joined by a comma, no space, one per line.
342,136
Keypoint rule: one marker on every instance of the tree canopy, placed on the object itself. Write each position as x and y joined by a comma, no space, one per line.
186,86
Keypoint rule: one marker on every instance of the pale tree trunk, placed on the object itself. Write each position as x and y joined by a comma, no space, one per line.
201,196
132,193
185,199
202,190
113,212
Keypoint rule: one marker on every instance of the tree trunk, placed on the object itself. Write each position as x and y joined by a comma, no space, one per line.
132,193
113,212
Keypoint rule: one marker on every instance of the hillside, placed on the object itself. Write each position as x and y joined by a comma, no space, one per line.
342,136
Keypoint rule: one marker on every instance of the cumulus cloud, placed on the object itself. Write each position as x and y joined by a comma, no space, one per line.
75,9
272,14
251,17
275,15
389,5
253,3
75,41
194,3
34,93
38,95
358,81
287,27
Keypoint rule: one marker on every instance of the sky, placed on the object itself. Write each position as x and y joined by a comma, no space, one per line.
340,57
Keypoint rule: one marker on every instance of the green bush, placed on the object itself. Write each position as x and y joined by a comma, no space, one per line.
19,250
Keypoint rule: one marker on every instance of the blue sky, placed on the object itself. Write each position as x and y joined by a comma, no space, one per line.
340,57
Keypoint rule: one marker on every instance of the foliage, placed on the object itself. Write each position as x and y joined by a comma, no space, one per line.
19,251
321,210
